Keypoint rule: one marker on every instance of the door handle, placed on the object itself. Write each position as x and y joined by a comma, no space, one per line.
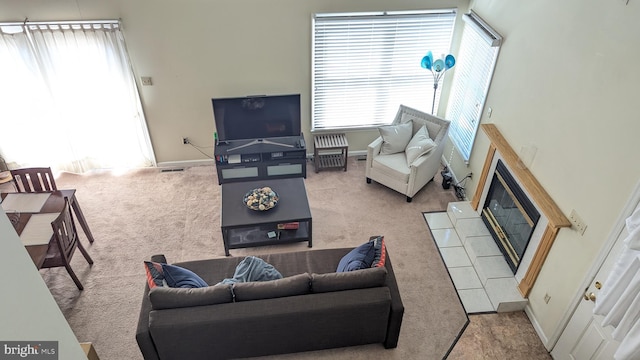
590,296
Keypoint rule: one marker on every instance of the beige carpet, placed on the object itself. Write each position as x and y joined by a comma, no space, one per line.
134,214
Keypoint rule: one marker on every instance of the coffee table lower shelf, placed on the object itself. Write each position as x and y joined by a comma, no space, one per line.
258,235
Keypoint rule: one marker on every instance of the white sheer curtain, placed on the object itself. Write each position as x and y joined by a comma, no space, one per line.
68,98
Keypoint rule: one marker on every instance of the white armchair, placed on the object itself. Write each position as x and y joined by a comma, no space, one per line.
407,166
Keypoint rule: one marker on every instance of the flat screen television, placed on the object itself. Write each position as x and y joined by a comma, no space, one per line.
257,117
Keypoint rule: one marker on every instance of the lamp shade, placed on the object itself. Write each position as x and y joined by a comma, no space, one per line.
449,61
427,61
438,65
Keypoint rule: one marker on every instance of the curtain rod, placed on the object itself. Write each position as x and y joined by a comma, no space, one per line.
71,22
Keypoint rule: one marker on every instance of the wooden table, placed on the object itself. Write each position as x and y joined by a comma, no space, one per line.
53,204
325,147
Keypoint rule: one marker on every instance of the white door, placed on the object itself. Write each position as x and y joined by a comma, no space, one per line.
584,338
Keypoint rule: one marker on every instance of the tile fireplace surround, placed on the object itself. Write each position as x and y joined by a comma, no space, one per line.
477,268
480,253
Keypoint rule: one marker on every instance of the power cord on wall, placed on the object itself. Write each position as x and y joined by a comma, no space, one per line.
459,187
188,142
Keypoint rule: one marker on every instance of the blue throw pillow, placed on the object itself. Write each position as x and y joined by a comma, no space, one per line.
358,258
179,277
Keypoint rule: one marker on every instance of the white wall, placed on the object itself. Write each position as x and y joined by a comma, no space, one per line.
196,50
567,82
27,309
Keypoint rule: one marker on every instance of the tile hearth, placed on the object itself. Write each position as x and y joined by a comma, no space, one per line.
478,269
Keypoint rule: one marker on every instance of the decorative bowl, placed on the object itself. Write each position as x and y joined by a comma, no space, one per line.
261,199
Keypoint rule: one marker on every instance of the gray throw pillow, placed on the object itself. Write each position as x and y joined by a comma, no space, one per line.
419,145
357,279
288,286
395,137
169,298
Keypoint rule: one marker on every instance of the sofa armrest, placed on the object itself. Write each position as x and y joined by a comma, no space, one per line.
397,308
373,149
424,168
143,336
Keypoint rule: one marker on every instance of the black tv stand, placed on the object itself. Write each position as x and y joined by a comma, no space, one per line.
261,159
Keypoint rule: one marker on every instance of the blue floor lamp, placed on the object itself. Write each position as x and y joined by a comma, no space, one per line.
437,68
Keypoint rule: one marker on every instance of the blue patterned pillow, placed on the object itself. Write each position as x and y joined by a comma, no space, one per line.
179,277
358,258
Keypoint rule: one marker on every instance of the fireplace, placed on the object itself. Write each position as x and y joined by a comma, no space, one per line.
509,215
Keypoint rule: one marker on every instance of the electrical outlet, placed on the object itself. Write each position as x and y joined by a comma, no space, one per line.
146,80
185,141
577,222
547,297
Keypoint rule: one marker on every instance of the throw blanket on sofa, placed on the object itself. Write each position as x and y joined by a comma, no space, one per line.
253,268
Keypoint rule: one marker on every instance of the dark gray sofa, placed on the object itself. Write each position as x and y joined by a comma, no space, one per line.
335,310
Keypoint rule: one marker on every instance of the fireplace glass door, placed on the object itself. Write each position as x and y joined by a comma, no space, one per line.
509,215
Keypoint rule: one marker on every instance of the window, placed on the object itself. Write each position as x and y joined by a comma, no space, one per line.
68,97
475,63
366,65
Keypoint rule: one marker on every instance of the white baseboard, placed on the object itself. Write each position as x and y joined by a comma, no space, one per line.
537,328
186,163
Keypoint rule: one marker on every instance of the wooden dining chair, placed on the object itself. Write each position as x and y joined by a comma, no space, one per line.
37,179
65,237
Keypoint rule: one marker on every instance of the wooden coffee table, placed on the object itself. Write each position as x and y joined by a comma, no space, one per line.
243,227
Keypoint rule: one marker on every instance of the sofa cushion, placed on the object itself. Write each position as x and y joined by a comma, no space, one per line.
395,137
358,258
169,298
288,286
318,261
420,144
180,277
358,279
394,166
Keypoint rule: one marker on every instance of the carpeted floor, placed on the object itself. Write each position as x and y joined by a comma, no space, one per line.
134,214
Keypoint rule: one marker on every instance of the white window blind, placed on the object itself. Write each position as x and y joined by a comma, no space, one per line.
476,61
366,65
